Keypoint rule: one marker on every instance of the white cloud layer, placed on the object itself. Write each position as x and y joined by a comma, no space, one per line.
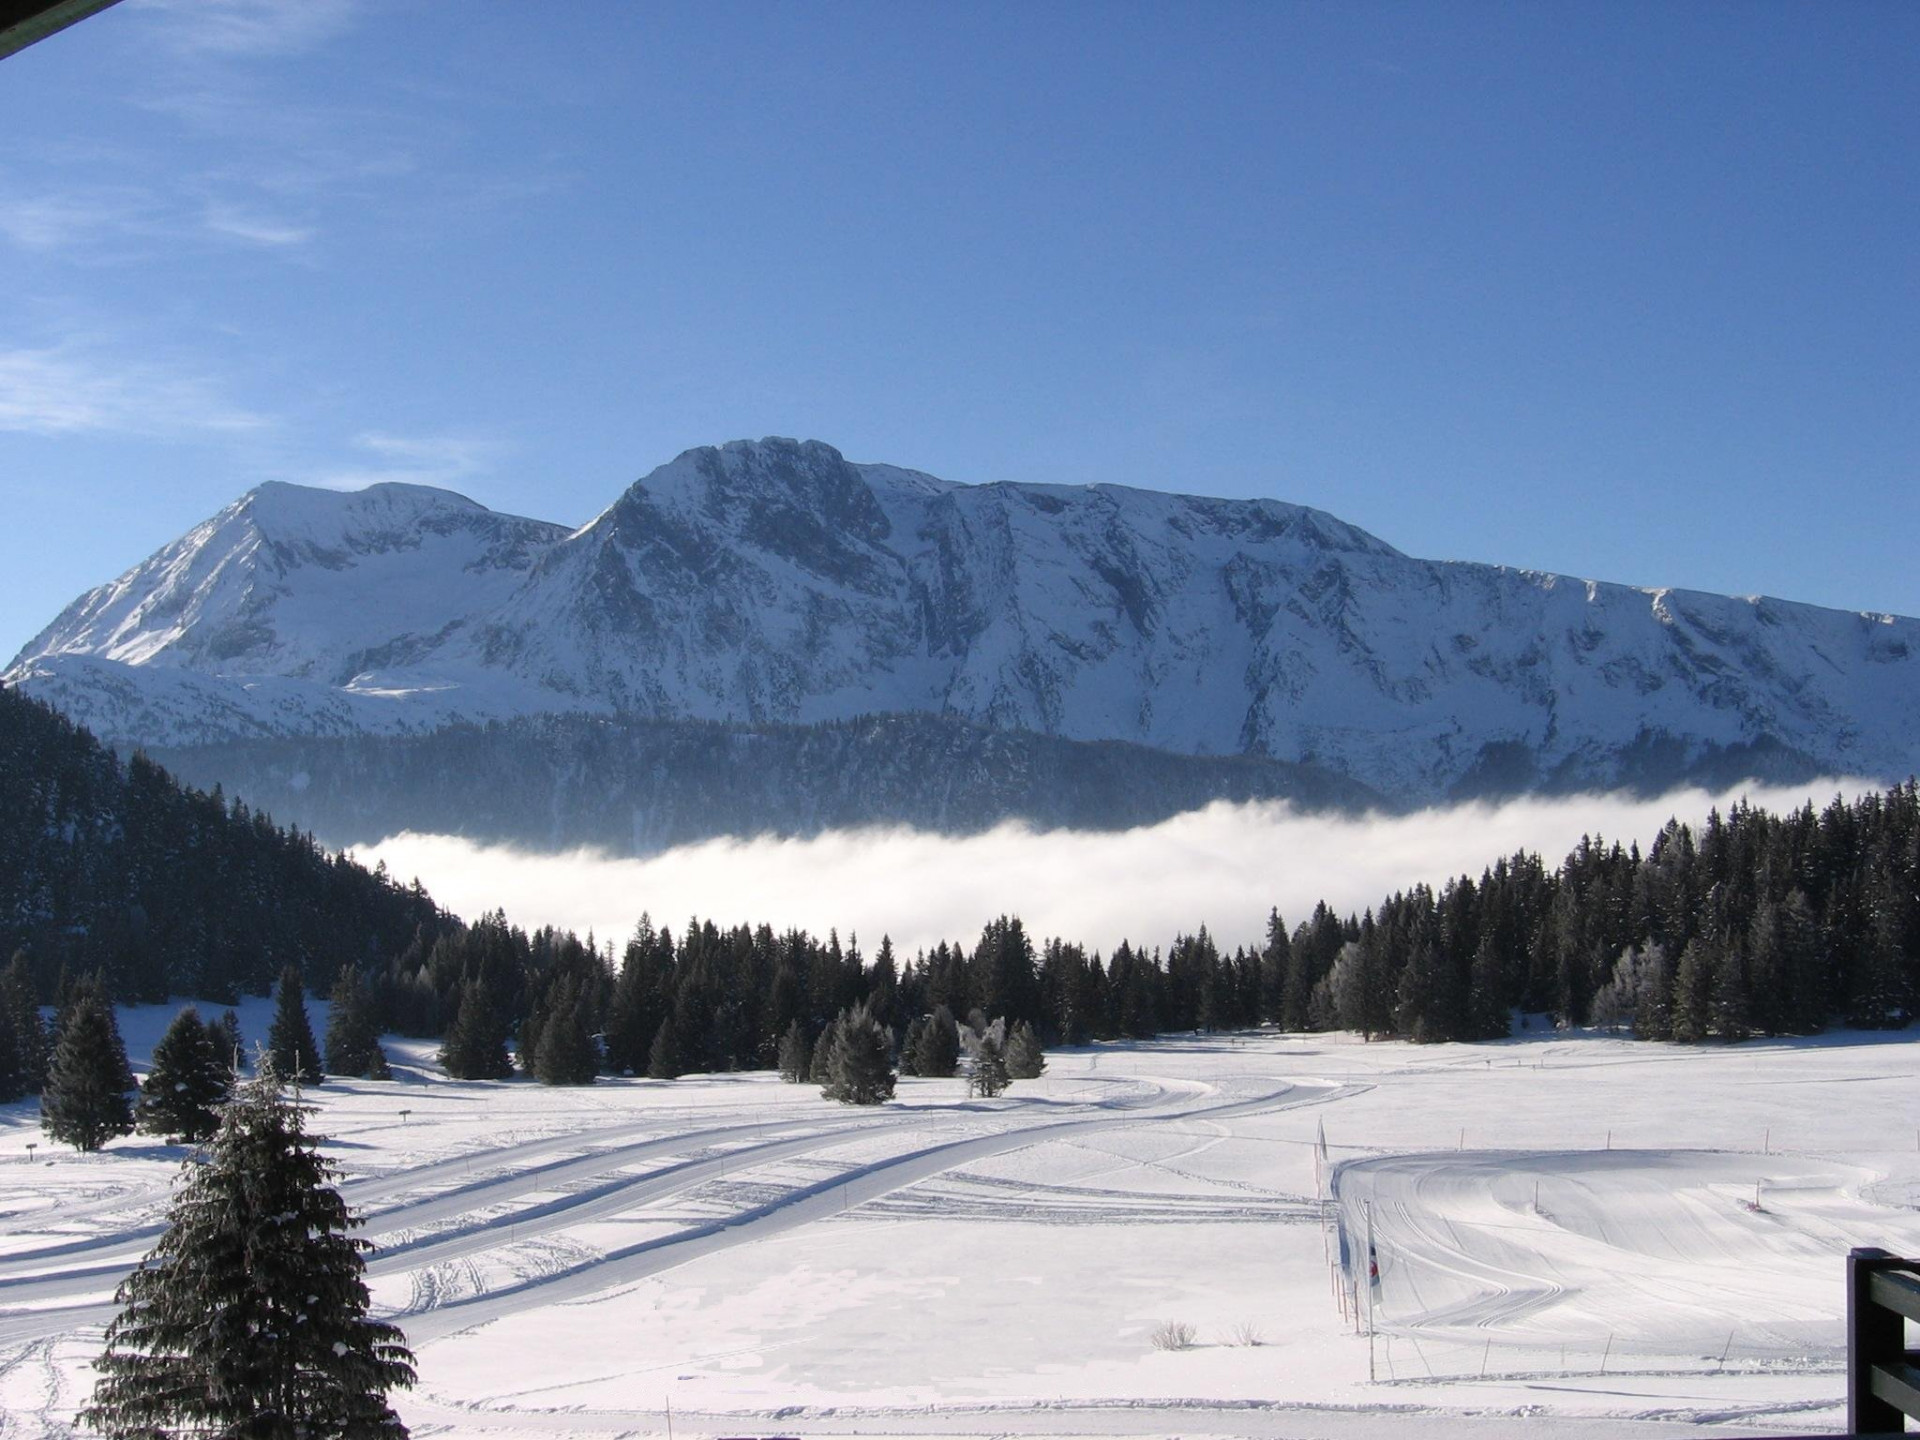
1224,866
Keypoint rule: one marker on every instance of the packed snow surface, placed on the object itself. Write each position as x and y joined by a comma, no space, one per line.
1575,1235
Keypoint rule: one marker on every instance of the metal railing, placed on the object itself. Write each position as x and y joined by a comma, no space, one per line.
1883,1376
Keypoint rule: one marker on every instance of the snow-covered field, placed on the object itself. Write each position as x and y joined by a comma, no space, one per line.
1581,1235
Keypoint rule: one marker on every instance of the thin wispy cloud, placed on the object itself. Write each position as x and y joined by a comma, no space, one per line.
1224,867
249,27
74,390
60,220
237,223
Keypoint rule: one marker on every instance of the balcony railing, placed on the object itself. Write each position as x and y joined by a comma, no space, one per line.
1883,1375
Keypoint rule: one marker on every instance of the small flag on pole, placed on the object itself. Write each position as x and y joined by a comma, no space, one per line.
1322,1142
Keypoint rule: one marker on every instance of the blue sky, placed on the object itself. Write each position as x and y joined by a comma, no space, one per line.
1628,291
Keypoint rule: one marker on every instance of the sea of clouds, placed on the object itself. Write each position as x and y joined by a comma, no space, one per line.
1224,867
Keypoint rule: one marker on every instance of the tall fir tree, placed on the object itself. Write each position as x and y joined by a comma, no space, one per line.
567,1055
663,1056
476,1043
251,1316
290,1041
353,1035
86,1102
1692,1012
936,1052
188,1082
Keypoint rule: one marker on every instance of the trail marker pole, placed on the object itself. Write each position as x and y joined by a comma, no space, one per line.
1606,1354
1727,1350
1609,1140
1485,1356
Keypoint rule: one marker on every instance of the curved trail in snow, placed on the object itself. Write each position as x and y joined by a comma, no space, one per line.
23,1283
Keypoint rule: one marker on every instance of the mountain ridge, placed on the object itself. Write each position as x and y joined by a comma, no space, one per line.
774,582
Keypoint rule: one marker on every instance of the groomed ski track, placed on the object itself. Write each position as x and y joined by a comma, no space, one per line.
601,1188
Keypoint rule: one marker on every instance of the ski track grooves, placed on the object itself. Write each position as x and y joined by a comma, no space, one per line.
801,1206
35,1286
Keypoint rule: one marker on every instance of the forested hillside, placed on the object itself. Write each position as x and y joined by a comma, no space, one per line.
114,867
633,786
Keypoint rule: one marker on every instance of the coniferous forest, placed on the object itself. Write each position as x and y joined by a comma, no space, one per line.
1752,924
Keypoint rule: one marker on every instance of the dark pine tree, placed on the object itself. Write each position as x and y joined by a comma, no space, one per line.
476,1043
29,1030
353,1035
663,1056
189,1080
231,1043
85,1102
567,1053
290,1043
250,1318
936,1053
13,1073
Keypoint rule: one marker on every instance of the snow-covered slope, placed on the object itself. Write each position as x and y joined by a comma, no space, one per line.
774,581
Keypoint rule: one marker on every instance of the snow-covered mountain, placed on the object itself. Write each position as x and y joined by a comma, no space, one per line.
774,582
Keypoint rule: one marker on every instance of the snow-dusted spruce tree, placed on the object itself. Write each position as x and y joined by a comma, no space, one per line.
1025,1059
188,1079
250,1316
85,1102
290,1042
988,1076
860,1071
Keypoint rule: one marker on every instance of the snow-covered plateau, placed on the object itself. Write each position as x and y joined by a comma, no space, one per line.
776,583
1577,1235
